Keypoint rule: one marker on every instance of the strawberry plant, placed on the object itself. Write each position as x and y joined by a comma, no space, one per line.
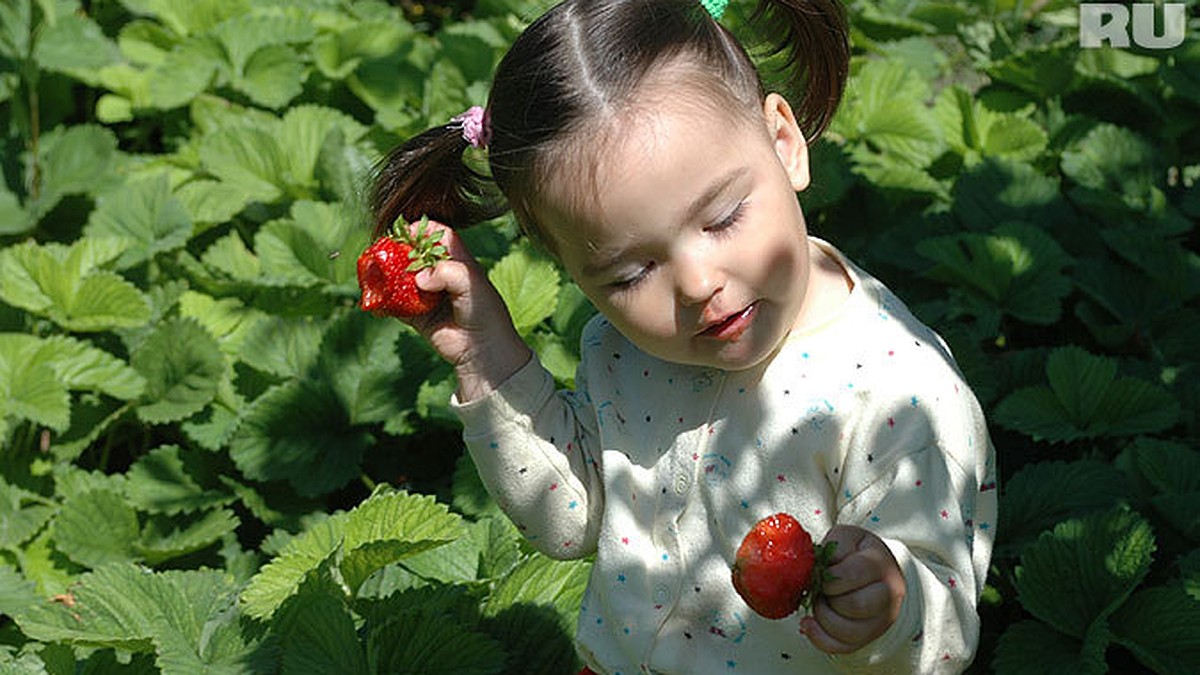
212,459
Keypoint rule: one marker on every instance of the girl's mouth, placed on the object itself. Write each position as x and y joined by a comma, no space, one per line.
732,327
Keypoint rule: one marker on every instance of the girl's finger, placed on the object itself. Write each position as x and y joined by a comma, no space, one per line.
811,628
868,602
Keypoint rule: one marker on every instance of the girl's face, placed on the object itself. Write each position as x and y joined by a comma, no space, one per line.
692,242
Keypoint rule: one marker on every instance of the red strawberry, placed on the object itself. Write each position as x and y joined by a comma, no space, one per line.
387,271
777,567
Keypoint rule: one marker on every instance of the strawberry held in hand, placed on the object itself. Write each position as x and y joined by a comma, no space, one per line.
777,567
387,271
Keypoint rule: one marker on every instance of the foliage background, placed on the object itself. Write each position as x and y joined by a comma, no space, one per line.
212,462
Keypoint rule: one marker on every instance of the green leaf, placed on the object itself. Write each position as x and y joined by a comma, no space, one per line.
164,538
188,70
248,157
1108,555
385,528
1041,495
283,346
80,366
144,214
303,132
13,218
97,527
182,615
273,76
318,245
529,286
533,611
22,515
1017,270
884,109
1189,568
974,131
359,362
419,642
172,480
1161,626
316,631
300,432
1114,166
1033,648
74,44
182,364
28,387
1000,190
75,160
1085,399
209,201
245,35
227,319
63,284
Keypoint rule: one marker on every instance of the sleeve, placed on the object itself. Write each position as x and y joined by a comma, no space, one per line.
535,450
928,493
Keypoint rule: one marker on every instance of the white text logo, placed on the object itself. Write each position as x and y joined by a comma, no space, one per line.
1109,22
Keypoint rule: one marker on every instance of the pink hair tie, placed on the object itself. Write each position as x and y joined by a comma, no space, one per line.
476,129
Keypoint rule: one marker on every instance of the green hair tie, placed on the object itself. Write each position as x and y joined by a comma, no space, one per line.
715,7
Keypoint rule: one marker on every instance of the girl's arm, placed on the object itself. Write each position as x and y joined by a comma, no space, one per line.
931,500
532,445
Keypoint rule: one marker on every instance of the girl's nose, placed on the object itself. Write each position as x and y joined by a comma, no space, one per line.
696,278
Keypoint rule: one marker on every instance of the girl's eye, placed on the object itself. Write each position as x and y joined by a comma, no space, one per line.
631,282
730,220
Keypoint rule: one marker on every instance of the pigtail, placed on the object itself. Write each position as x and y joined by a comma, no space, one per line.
427,176
815,36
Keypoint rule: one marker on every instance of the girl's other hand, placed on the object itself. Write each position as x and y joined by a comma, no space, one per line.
471,328
863,598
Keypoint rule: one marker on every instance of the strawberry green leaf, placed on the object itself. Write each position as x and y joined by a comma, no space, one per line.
187,71
63,284
299,432
74,44
182,616
1033,648
1161,626
97,527
1189,568
1041,495
75,160
1113,167
145,215
1000,190
884,107
385,528
316,630
172,480
1085,399
532,611
244,35
164,538
1015,270
423,642
227,319
22,515
1108,554
273,76
974,131
283,346
249,157
208,202
316,246
183,365
80,366
359,363
302,135
29,388
529,286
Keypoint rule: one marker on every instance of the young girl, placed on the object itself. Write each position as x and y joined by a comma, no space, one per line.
738,367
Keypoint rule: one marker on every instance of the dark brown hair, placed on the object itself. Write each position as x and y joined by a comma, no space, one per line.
583,58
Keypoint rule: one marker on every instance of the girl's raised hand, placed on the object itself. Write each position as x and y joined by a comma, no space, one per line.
472,328
863,598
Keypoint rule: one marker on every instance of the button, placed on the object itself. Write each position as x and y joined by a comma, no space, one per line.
681,483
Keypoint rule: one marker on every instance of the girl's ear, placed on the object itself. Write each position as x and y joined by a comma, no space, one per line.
790,145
